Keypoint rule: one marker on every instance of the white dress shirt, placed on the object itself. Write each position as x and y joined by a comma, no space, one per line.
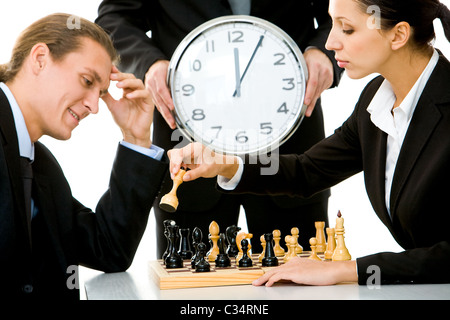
394,122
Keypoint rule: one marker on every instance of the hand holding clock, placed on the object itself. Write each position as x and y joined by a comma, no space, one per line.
156,83
320,70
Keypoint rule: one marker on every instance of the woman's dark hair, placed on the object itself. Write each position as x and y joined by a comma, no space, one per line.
418,13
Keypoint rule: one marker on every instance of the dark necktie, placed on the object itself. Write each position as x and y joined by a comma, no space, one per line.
27,177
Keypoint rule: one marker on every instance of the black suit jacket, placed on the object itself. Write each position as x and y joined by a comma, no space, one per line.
65,233
170,21
419,196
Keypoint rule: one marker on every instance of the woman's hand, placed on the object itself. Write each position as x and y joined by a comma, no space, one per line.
202,162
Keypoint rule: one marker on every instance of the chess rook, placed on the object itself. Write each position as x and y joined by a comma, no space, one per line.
169,202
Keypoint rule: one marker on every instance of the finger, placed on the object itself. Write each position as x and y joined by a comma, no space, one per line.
130,84
176,160
167,115
119,76
163,101
311,89
310,108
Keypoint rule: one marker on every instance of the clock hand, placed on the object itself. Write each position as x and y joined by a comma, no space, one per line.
237,72
250,61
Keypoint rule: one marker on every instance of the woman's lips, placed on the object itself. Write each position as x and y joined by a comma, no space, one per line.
341,63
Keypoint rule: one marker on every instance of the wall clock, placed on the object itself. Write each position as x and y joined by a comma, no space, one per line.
238,85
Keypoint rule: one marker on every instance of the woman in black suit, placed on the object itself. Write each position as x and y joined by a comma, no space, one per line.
398,135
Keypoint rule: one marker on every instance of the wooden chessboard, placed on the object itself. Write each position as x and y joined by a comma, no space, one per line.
186,277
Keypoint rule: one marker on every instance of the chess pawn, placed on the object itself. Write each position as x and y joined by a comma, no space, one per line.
185,245
269,260
279,251
313,256
298,247
202,265
245,261
341,252
320,236
263,245
290,243
231,234
213,237
239,237
169,202
173,259
331,243
197,237
222,259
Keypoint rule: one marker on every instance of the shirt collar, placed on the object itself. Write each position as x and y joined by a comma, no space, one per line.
383,101
26,147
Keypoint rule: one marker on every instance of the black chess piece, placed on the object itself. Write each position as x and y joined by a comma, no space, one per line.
231,233
173,259
222,259
196,239
202,265
246,261
185,245
166,224
269,260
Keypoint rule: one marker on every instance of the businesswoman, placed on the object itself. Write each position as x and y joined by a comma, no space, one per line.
398,135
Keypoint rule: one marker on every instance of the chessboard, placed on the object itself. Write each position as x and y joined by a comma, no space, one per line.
187,277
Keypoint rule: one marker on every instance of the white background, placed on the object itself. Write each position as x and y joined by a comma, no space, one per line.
87,157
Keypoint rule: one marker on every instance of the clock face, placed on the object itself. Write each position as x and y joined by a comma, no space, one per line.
238,85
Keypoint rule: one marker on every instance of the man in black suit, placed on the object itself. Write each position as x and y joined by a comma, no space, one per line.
148,58
55,80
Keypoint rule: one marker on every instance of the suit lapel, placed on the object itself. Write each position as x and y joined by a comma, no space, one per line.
43,194
424,121
11,150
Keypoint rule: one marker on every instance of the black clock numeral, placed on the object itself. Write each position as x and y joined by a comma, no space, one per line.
210,46
188,90
280,61
196,65
283,108
241,137
198,114
266,128
218,128
235,36
290,82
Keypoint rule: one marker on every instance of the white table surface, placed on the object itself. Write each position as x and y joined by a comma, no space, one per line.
136,284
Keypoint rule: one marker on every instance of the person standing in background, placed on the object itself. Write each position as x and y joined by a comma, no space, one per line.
307,22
